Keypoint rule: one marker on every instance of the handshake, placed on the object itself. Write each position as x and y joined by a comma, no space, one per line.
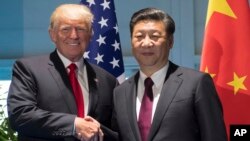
88,129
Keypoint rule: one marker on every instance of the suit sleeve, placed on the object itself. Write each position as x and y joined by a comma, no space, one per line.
209,111
25,116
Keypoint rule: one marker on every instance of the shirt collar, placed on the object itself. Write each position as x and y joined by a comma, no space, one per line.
67,62
158,77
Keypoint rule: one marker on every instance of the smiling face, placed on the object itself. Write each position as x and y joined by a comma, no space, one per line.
151,45
71,38
71,32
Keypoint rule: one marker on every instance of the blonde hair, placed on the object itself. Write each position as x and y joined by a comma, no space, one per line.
72,11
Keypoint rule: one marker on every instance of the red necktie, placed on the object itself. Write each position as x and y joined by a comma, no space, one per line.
76,89
145,114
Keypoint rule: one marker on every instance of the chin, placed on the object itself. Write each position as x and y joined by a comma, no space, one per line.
147,64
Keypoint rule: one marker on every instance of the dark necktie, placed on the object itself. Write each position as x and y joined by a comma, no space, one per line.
76,90
145,114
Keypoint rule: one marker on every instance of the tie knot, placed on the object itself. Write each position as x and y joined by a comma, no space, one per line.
72,67
148,82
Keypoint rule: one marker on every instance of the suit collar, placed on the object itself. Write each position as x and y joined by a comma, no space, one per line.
93,87
171,85
58,71
67,62
130,93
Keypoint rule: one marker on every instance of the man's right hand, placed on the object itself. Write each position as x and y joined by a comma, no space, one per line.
88,129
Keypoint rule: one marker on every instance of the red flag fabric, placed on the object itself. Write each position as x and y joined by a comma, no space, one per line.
226,56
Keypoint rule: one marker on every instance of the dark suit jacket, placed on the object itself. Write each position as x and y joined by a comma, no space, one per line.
188,109
41,105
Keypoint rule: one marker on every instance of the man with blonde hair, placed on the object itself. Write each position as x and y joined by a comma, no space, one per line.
61,96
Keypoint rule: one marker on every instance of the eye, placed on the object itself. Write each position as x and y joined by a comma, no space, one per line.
155,37
65,29
81,30
139,37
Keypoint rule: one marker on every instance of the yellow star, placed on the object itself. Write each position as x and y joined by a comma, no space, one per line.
220,6
211,74
238,83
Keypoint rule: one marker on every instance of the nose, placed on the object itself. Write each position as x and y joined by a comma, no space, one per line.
73,33
147,42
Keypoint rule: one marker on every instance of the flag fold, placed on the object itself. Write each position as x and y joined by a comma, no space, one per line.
225,56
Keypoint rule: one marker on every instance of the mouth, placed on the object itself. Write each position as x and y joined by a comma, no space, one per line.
73,44
147,53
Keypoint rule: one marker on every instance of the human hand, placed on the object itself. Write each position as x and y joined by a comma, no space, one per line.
96,137
88,129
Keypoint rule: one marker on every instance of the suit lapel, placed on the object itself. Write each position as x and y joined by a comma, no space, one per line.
130,92
60,75
93,85
171,85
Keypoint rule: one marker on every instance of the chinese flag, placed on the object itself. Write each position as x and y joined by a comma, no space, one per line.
226,56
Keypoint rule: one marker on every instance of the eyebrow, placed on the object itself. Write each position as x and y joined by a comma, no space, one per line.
148,31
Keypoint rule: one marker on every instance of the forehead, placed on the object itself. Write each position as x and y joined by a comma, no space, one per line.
71,21
149,25
65,22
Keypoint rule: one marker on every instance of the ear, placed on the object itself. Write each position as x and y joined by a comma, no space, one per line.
52,35
171,41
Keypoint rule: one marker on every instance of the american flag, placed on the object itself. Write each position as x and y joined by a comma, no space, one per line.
105,48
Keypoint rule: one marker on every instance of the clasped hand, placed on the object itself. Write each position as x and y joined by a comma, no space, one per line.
88,129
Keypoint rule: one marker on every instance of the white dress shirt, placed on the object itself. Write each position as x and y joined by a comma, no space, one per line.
158,79
81,77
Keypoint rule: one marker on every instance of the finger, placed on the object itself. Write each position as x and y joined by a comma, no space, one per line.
88,118
92,128
100,132
87,137
101,135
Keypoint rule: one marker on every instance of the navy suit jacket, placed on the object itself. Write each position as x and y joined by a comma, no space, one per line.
41,105
188,109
